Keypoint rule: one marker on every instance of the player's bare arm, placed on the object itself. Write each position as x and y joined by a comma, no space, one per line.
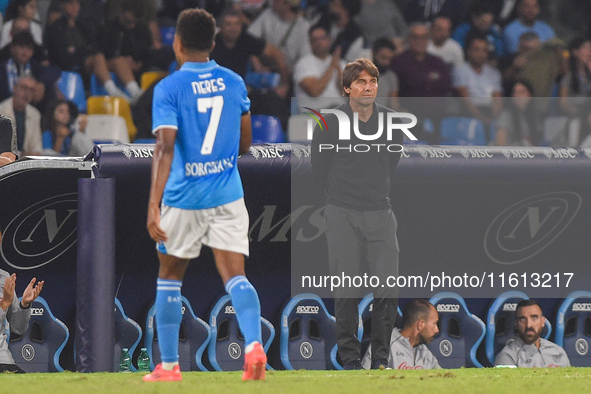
245,134
163,154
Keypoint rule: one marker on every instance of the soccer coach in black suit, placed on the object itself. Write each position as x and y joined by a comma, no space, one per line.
361,227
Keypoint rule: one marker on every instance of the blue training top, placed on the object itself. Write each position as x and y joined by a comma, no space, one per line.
205,103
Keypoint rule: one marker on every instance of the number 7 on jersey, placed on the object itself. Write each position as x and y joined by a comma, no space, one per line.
216,103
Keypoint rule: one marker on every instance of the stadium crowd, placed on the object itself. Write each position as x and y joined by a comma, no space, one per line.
478,51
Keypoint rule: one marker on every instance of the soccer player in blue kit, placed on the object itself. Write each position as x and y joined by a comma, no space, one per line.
201,120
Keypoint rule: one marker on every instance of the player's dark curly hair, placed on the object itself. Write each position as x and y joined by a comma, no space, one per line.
353,69
196,29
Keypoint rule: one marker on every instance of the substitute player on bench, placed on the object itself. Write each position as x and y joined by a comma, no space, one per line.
202,122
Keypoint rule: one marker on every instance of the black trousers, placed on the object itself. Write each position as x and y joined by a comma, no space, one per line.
363,244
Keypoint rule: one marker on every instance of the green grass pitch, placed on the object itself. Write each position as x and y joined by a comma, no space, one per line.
462,381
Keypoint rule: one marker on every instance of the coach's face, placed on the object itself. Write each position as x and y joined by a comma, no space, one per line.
530,322
364,89
430,328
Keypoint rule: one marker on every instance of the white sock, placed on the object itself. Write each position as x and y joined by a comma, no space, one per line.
250,346
134,89
169,366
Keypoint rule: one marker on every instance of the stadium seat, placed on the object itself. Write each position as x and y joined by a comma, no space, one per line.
573,328
149,77
97,88
462,131
72,87
107,129
460,332
39,348
308,338
500,323
107,105
364,332
226,348
167,33
127,335
297,128
266,129
194,336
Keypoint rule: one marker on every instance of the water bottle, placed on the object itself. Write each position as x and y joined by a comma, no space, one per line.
125,361
143,361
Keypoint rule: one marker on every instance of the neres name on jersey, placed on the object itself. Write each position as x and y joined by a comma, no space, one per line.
208,86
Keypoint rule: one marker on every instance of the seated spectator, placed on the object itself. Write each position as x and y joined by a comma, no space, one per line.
26,118
160,56
343,30
90,18
381,18
421,74
442,45
319,74
8,151
69,49
16,312
541,64
425,11
478,83
528,12
21,62
519,123
383,51
283,26
234,47
481,20
126,43
530,350
575,86
25,9
22,24
63,130
408,346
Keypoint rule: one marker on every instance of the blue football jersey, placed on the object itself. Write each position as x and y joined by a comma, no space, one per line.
205,103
